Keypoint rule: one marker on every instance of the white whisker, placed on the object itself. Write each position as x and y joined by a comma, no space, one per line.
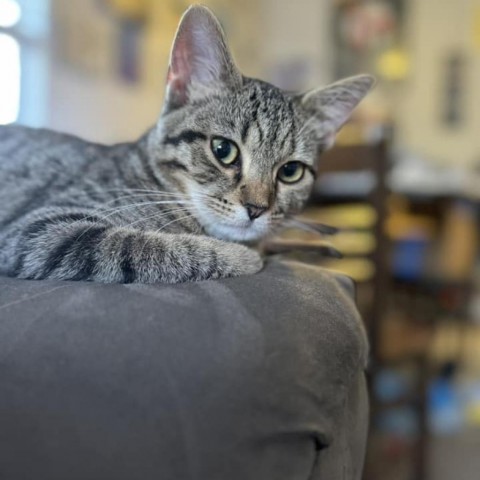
161,228
173,221
141,190
115,210
141,204
163,213
160,214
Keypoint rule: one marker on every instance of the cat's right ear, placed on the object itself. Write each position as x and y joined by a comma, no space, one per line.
200,61
333,105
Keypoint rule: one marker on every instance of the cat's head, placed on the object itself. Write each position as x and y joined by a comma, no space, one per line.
244,151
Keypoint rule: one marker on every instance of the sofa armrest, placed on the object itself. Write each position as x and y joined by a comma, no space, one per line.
246,378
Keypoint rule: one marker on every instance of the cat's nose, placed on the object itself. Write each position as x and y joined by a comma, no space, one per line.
254,211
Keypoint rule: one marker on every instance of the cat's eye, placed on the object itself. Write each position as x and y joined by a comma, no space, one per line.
225,150
291,172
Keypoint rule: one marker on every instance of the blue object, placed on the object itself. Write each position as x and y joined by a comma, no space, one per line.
409,257
445,409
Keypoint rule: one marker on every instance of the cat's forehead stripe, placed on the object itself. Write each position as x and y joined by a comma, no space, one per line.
267,118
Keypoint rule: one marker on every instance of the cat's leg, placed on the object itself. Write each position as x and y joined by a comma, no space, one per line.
78,249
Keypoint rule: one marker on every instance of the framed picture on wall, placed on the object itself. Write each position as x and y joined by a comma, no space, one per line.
363,31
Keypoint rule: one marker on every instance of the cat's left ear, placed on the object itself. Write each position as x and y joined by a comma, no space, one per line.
333,105
200,61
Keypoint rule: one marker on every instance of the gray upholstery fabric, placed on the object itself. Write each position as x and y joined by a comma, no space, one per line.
252,378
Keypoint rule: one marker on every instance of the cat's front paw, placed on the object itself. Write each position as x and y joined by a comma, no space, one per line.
240,260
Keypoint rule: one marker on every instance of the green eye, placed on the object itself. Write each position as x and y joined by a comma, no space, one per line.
291,172
225,151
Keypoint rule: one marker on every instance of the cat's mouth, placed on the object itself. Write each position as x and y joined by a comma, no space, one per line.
234,229
238,232
228,221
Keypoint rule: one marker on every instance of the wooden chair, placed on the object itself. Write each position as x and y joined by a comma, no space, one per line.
375,160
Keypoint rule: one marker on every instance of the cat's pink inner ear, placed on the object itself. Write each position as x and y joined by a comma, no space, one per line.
176,89
200,58
179,72
184,61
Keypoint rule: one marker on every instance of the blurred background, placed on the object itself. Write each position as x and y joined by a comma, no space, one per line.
403,183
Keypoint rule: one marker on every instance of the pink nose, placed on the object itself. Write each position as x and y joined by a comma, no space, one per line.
254,211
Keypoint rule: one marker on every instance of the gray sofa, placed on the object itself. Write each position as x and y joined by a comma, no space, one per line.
252,378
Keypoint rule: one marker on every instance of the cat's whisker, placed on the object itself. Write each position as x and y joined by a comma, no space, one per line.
146,191
141,192
158,202
173,221
163,213
318,228
142,204
142,195
161,228
159,215
147,196
115,210
219,210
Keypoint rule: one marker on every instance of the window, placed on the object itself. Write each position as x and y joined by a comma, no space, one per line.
10,80
24,61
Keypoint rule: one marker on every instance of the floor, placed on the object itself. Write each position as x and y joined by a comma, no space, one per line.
456,456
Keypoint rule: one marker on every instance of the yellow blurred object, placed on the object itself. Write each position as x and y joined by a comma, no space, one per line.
354,243
394,64
401,225
458,246
130,9
473,415
360,269
344,216
348,243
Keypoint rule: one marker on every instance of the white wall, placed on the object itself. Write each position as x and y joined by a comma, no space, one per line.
297,30
435,29
99,105
91,100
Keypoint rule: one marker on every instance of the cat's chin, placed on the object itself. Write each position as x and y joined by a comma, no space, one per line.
232,233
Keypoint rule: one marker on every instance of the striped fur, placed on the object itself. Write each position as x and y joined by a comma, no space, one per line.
163,209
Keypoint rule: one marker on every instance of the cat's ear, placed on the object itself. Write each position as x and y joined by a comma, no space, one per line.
333,105
200,61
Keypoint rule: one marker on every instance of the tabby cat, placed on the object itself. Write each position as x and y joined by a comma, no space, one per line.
229,159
